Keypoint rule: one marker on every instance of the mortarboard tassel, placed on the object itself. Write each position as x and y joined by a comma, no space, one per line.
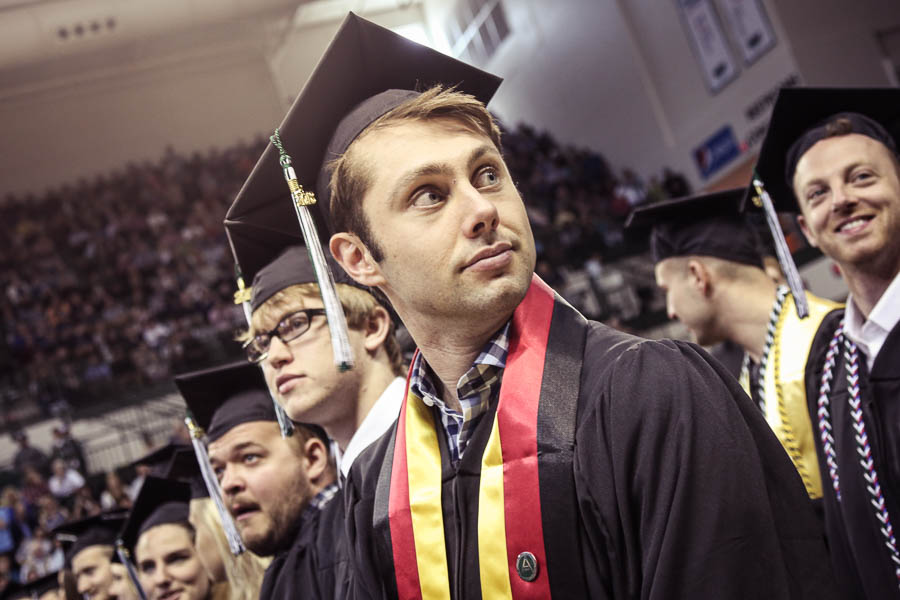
242,297
235,543
302,199
763,200
125,557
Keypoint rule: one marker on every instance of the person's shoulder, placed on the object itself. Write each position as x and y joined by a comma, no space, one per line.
366,468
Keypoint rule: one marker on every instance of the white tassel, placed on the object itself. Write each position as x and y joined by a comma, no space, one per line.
212,486
781,248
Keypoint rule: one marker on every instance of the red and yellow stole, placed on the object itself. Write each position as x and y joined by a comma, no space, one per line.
509,503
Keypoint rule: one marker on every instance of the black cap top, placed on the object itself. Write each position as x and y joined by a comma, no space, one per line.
159,459
797,123
702,225
160,502
336,104
32,589
184,467
223,397
292,267
99,530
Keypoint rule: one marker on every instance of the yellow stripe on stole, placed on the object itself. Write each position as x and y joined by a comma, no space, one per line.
423,460
492,555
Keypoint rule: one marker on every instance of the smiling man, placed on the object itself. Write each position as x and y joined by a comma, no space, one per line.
536,454
829,156
274,487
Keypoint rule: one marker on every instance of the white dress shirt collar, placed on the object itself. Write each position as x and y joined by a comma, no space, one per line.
870,334
380,418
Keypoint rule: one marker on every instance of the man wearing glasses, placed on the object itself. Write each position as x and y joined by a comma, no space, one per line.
289,339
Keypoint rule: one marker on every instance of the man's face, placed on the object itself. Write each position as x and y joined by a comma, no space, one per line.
92,572
849,193
264,481
301,373
444,210
685,300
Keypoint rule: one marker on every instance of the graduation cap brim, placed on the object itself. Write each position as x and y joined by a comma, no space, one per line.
237,391
160,502
797,110
159,459
99,530
699,225
184,467
39,586
362,60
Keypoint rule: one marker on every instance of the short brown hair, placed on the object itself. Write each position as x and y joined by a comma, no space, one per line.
358,306
838,126
350,180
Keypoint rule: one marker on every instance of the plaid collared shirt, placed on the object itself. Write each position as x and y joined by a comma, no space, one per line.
324,496
476,389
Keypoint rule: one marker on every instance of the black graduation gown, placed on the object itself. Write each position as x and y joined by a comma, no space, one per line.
861,561
315,566
675,488
730,355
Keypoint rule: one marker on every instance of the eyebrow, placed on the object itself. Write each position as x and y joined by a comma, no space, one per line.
439,169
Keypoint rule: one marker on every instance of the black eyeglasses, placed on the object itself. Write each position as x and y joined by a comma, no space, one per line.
288,329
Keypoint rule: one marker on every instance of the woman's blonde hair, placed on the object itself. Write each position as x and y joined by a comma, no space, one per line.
244,572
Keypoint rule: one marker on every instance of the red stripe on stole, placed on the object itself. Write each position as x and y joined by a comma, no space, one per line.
399,515
517,414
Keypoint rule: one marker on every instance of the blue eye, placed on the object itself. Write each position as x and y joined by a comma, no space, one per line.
427,197
487,177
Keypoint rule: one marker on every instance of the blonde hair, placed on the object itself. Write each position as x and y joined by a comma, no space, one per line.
359,306
244,572
350,179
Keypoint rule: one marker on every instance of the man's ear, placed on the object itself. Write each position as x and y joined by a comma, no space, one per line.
377,328
699,277
349,251
810,237
315,454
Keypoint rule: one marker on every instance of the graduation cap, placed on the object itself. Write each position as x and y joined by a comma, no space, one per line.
99,530
799,119
184,468
32,590
366,71
158,460
160,502
703,225
218,400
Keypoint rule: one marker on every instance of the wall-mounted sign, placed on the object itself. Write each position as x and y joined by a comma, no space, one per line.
709,42
750,27
720,149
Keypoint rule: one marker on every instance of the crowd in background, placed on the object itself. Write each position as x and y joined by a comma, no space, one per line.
115,283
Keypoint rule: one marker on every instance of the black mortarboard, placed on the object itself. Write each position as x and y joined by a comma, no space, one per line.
701,225
160,502
223,397
798,122
362,61
292,267
33,589
366,71
99,530
184,468
159,459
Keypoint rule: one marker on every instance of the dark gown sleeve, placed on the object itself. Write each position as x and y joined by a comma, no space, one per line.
683,490
295,573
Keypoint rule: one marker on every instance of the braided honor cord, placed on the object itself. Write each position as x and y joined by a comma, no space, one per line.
851,355
771,329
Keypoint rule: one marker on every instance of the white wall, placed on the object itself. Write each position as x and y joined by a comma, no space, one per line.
60,128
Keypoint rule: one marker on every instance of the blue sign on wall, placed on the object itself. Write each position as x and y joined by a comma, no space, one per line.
717,151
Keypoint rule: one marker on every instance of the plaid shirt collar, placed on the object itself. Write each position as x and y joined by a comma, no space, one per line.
475,390
324,496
